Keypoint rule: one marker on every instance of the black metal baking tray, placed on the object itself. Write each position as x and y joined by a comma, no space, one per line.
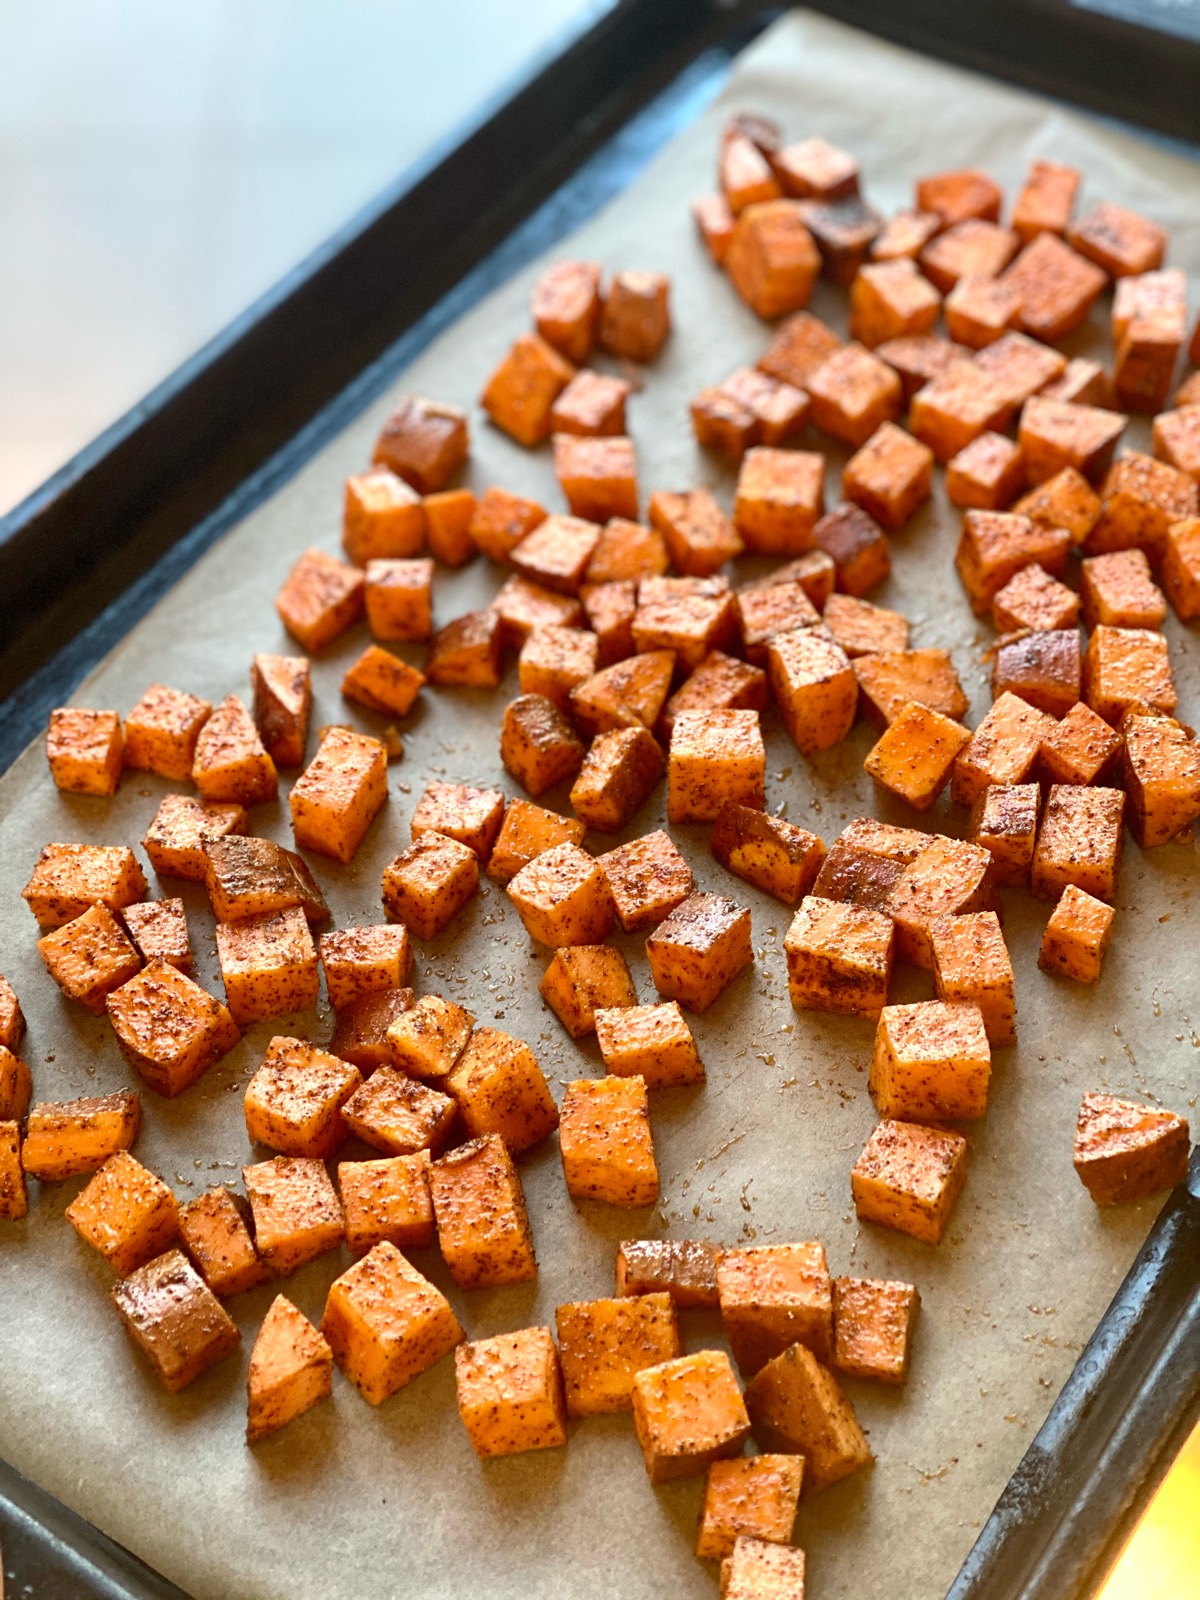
85,556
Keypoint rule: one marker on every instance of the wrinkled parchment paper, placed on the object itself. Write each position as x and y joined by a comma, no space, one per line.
352,1500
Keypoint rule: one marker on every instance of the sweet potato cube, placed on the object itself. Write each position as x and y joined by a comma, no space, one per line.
688,1413
592,406
297,1214
889,477
1116,589
482,1224
399,599
320,599
796,1406
889,681
1123,666
1033,599
89,957
426,1039
1077,936
16,1086
839,958
383,517
458,811
986,475
501,520
647,878
1083,382
971,963
604,1344
125,1213
294,1101
1147,352
526,831
159,931
931,1062
1046,200
510,1393
392,1113
605,1142
448,517
584,979
1140,500
174,1319
362,961
905,235
1082,748
814,687
563,898
282,706
756,1568
181,829
566,307
1055,434
872,1328
815,170
858,876
995,545
863,629
556,554
772,261
752,1499
690,616
770,1297
610,609
956,407
776,856
1188,392
765,611
1124,1151
714,222
290,1371
360,1030
1057,287
1042,667
853,393
954,196
653,1043
268,965
66,1138
387,1199
1079,841
856,544
538,745
248,877
427,885
85,750
1162,780
1021,367
386,1324
720,683
1177,438
598,476
70,878
949,878
215,1231
627,551
339,794
523,605
555,660
915,756
1066,500
777,410
169,1028
908,1177
1119,240
918,358
697,951
520,394
1004,818
162,729
636,318
715,756
797,348
891,300
616,779
884,839
843,231
684,1269
1181,568
499,1088
981,310
12,1018
230,763
698,536
424,442
973,247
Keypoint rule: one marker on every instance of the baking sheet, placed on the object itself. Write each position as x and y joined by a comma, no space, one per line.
352,1499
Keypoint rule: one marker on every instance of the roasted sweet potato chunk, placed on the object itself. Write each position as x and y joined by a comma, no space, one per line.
510,1393
887,682
814,687
636,318
520,394
387,1199
297,1214
248,877
986,475
563,898
715,756
174,1319
526,831
890,477
169,1028
616,779
16,1086
291,1370
71,878
1077,936
162,729
908,1177
448,517
69,1137
775,856
1057,287
84,750
294,1102
971,963
482,1224
1044,667
126,1213
753,1499
393,1114
915,756
772,261
688,1413
89,957
854,393
653,1043
604,1344
949,877
159,931
839,958
182,827
685,1269
566,307
215,1230
857,546
648,878
427,885
268,965
592,405
424,442
320,599
459,811
1125,1151
537,743
500,1089
1162,779
583,979
383,517
872,1328
698,950
386,1324
757,1567
361,961
1079,841
1002,750
605,1142
797,1406
931,1062
1046,200
772,1296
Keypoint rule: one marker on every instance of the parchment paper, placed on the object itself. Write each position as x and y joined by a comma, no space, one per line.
352,1500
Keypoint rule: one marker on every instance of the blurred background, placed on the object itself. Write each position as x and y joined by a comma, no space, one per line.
162,165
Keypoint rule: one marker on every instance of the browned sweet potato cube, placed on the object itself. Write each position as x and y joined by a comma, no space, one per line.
448,517
715,756
648,878
750,1501
905,235
1149,328
1177,439
1082,748
159,931
720,683
775,856
282,706
772,1296
84,750
69,1137
690,616
954,196
844,231
687,1414
859,875
527,830
872,1328
482,1223
162,729
230,763
605,1343
520,394
627,551
1077,936
949,877
339,794
684,1269
510,1394
797,348
383,517
524,606
427,885
772,261
268,965
605,1142
1079,841
714,221
215,1231
652,1042
556,554
1002,750
297,1214
582,979
699,537
919,358
980,310
169,1028
16,1086
762,612
815,170
853,393
698,950
798,1407
501,521
387,1199
778,409
70,878
1004,819
500,1089
125,1213
290,1370
931,1062
1140,500
986,475
1123,666
1083,382
889,300
566,307
1046,200
1033,599
780,495
399,599
1119,240
1162,780
562,897
1057,287
628,694
393,1114
956,407
971,248
636,318
610,609
744,172
915,756
1055,434
908,1177
247,877
1020,366
1117,589
554,660
181,830
1066,500
890,476
320,599
616,779
386,1324
12,1018
174,1319
995,545
1043,667
814,687
294,1102
889,681
424,442
458,811
592,406
362,961
538,745
360,1029
89,957
1124,1151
